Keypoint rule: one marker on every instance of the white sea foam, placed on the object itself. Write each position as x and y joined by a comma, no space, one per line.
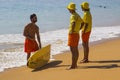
15,57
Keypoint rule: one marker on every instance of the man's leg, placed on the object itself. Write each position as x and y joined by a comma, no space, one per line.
85,43
28,55
75,55
86,52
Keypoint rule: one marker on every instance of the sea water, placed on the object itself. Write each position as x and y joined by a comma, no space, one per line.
53,14
53,21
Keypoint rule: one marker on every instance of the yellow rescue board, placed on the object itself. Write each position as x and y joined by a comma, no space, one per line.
39,58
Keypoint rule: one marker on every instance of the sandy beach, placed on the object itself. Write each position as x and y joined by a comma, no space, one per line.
104,65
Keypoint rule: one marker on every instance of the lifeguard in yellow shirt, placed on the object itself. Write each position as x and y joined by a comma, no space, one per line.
73,35
86,30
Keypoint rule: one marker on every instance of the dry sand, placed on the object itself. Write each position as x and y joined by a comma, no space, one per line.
104,65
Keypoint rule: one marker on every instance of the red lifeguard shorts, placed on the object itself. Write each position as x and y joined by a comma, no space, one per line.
30,46
73,39
85,36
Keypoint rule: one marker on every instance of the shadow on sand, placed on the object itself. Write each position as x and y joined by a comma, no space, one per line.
106,61
54,64
107,66
49,65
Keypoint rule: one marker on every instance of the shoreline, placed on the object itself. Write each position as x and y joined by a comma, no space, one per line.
91,44
19,46
104,64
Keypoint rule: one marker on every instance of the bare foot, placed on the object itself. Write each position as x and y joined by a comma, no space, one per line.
71,67
84,61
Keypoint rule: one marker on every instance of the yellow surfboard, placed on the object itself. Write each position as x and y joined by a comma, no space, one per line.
39,58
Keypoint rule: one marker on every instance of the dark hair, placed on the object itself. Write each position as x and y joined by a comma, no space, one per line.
32,15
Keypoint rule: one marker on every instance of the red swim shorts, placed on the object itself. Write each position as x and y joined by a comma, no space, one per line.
85,36
30,46
73,39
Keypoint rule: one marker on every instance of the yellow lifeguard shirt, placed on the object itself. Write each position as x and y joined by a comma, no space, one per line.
87,18
78,20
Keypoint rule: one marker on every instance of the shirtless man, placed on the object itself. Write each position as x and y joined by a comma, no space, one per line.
30,31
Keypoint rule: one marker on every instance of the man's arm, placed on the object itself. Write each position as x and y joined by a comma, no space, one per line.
86,25
38,38
73,26
81,25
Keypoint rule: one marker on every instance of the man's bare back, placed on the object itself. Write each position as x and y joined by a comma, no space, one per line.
30,30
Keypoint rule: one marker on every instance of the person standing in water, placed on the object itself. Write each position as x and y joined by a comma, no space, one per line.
73,34
30,31
86,30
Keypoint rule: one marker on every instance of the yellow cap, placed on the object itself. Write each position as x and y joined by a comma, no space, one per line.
71,6
85,5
